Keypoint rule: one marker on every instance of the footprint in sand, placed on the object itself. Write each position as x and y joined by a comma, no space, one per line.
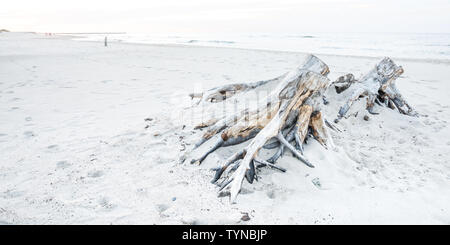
401,141
52,146
271,194
162,207
95,174
62,165
142,191
106,204
29,134
13,193
226,77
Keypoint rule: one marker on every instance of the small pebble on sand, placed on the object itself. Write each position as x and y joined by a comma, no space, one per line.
245,217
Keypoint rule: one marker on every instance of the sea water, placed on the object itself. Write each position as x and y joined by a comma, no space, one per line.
430,46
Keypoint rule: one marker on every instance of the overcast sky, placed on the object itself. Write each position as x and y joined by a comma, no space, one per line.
226,16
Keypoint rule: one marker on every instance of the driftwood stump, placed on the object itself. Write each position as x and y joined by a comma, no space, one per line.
287,114
378,86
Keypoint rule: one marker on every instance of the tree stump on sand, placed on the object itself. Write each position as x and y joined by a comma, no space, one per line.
378,86
290,110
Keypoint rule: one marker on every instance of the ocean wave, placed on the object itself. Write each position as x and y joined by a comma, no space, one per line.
300,36
210,41
332,47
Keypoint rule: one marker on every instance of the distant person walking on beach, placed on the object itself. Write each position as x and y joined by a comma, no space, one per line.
106,41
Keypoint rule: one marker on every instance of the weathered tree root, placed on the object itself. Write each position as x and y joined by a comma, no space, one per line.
290,111
378,86
222,93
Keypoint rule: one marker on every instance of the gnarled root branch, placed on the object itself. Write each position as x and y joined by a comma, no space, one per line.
222,93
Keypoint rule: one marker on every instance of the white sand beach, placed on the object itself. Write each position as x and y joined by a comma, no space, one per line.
75,147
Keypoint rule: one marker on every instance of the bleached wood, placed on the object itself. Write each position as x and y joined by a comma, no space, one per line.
268,105
293,99
377,84
307,83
